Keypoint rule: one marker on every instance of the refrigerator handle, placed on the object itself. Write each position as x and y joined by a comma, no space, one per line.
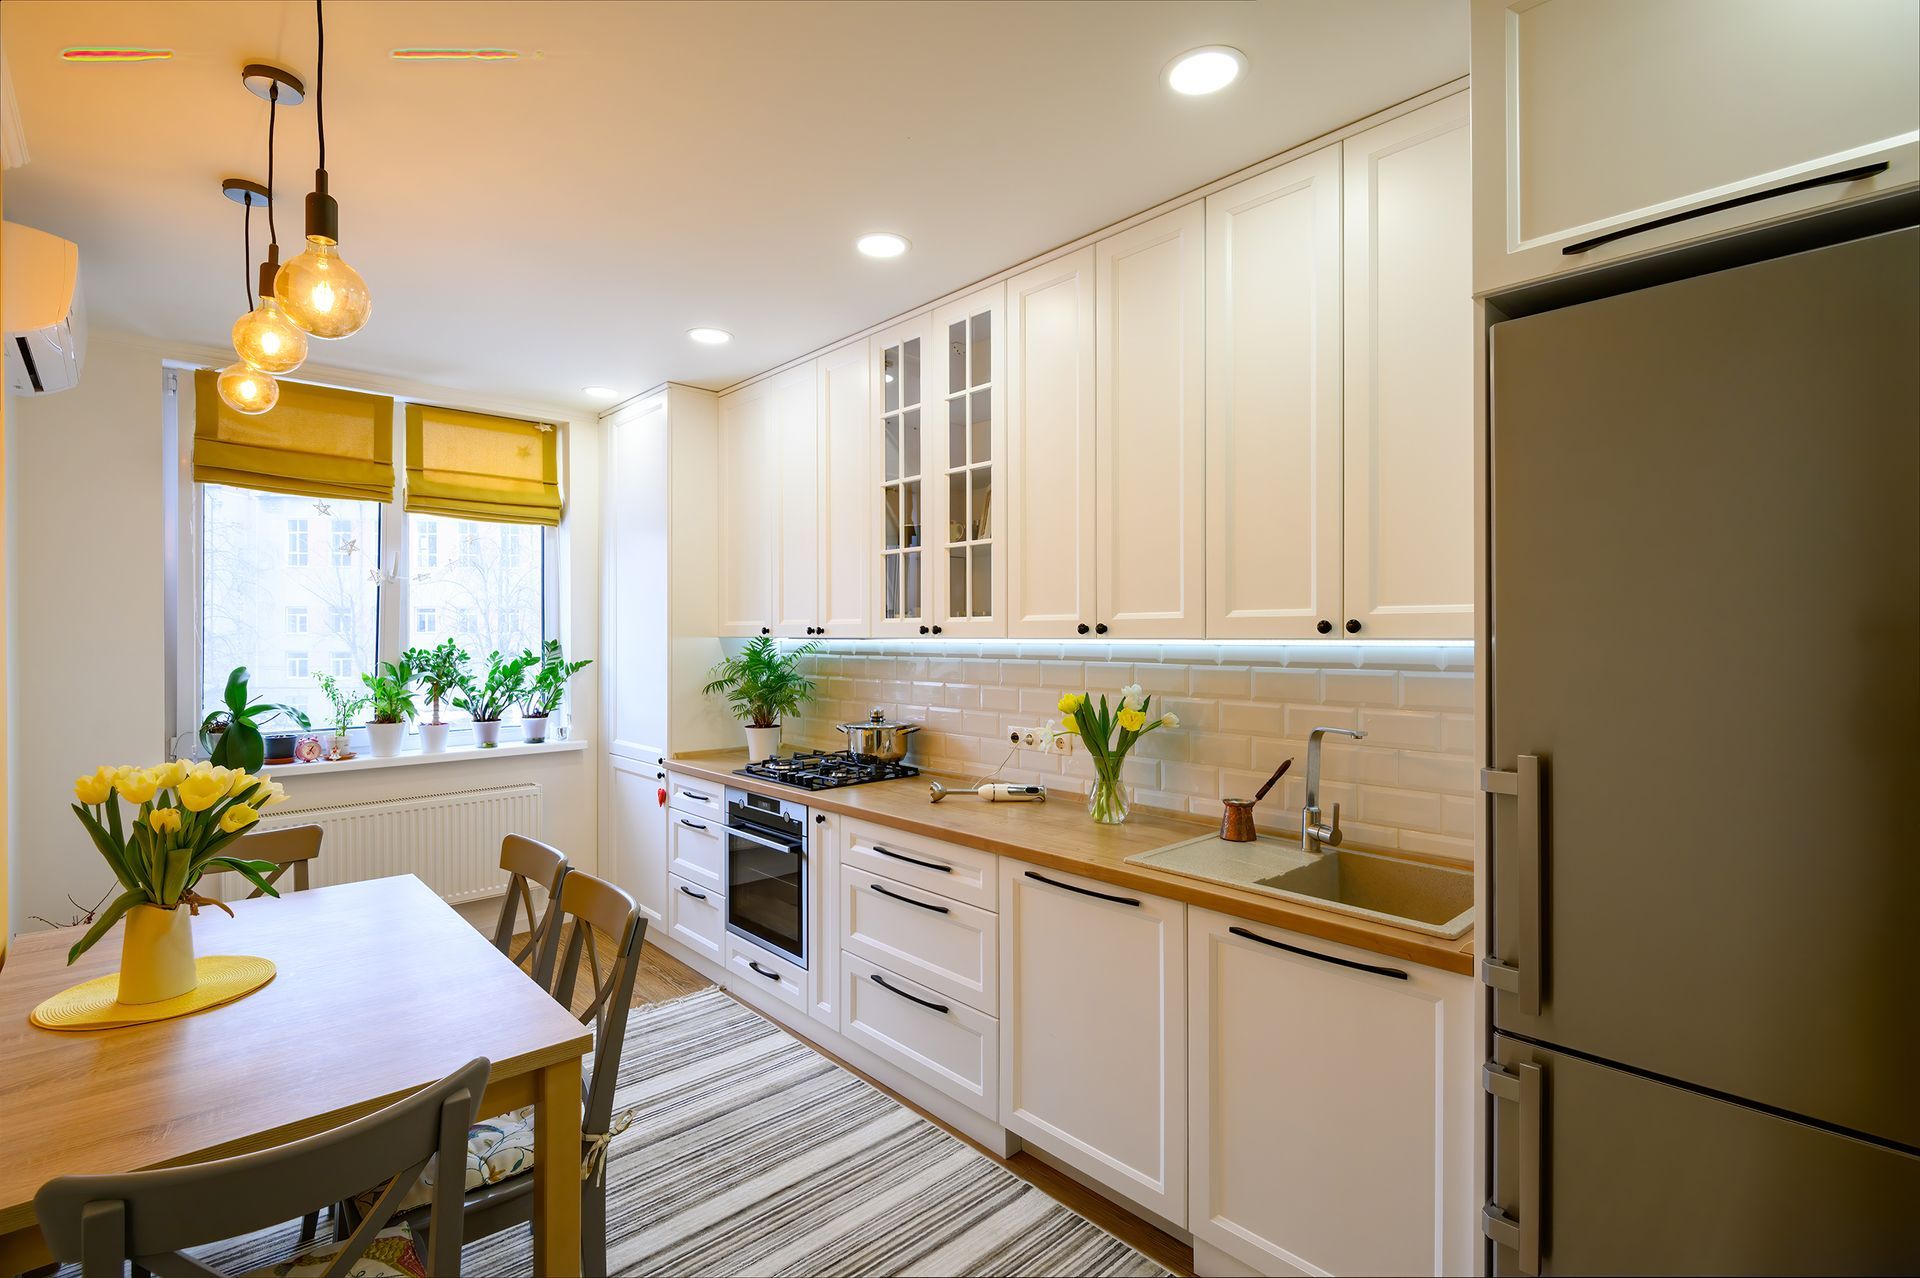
1519,885
1522,1086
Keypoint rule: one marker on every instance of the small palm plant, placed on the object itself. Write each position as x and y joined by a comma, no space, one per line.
762,685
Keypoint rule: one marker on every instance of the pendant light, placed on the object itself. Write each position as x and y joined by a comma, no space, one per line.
244,388
317,289
264,337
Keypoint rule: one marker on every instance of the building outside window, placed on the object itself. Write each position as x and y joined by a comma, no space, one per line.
296,619
296,543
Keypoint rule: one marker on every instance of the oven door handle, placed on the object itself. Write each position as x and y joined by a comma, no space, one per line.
789,849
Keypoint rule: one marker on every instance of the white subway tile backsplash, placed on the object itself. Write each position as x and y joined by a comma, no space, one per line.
1411,729
1221,681
1362,687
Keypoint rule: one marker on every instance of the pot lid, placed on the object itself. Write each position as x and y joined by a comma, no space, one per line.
878,719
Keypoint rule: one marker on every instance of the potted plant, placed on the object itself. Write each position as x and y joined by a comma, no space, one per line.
762,685
492,695
1108,734
231,736
184,815
346,704
389,705
441,672
546,686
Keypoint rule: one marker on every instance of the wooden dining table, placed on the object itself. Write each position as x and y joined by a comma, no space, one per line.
381,988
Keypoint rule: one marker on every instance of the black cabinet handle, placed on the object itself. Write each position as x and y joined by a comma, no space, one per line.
697,796
923,630
1394,972
913,860
937,909
819,630
691,825
1805,184
771,976
659,776
1100,629
941,1008
1353,625
1325,627
819,818
698,896
1081,628
936,630
1117,900
766,630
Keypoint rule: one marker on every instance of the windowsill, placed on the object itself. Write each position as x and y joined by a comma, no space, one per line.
410,758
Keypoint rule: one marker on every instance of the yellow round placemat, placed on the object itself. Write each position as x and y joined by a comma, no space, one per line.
95,1004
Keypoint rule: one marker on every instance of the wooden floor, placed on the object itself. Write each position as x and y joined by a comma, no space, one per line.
662,977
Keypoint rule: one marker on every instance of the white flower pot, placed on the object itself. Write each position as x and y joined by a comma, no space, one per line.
156,955
384,739
533,727
486,732
762,743
433,737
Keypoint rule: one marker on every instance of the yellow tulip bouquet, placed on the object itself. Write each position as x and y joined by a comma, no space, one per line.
1108,733
185,814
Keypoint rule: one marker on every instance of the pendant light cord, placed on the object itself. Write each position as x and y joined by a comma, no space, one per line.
273,110
246,240
320,79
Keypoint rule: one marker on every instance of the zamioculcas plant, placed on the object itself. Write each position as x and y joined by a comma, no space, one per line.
546,687
231,737
493,694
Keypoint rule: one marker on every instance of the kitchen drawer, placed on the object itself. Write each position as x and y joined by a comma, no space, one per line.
960,873
939,1040
940,942
699,799
751,968
696,851
697,917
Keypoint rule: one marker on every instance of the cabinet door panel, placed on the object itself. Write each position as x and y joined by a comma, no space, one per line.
901,399
1050,449
793,405
696,853
747,503
1274,378
637,839
965,446
1150,472
846,495
634,588
1409,377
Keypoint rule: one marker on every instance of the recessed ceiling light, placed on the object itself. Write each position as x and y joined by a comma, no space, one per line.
882,244
1208,69
710,336
600,392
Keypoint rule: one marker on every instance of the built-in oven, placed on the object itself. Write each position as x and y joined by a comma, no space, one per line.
767,878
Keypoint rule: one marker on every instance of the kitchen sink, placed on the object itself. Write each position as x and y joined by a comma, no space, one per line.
1416,895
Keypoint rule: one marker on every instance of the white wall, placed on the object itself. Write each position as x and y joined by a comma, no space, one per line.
85,478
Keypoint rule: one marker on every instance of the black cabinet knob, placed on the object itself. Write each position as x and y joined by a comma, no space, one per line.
1353,626
1325,627
820,818
766,630
1100,629
923,630
936,630
1082,627
819,630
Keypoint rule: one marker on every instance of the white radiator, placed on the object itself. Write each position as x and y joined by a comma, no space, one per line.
451,841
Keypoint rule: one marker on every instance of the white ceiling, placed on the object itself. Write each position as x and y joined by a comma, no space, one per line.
531,227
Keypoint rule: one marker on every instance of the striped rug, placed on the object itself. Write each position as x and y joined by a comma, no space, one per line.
750,1153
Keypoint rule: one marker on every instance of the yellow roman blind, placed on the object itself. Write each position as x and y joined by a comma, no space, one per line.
316,442
478,466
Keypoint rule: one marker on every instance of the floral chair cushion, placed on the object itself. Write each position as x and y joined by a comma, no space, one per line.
498,1149
390,1255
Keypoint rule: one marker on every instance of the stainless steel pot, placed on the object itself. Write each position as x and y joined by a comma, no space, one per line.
877,740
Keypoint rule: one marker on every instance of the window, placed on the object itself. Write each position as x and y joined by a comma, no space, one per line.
489,595
342,665
296,665
426,621
296,619
427,553
340,621
296,543
344,544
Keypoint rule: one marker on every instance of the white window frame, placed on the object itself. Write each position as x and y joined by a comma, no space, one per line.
299,525
297,613
393,634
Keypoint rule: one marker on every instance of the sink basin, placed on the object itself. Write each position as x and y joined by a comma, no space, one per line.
1434,899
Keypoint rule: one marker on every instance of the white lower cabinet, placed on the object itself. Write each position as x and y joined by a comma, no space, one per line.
944,944
762,973
1330,1105
933,1036
1093,1052
695,851
696,918
637,833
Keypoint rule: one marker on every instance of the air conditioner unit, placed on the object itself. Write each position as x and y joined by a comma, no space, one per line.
40,311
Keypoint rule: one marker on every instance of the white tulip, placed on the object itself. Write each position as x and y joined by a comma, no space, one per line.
1169,720
1130,698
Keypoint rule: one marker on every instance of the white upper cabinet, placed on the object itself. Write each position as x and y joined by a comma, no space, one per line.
965,443
1598,117
1409,378
1050,506
897,476
634,591
1274,379
1150,450
792,416
846,493
749,527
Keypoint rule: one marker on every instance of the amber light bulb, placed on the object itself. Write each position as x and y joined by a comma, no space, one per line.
265,338
247,390
322,294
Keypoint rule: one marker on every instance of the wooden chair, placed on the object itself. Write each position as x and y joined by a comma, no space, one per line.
529,861
597,909
150,1217
293,848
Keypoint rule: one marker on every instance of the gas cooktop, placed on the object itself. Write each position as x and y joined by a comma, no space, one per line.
825,770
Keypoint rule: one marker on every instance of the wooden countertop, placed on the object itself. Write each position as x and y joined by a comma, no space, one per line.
1058,834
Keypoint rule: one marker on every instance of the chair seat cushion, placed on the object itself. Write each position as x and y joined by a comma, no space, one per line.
391,1254
498,1149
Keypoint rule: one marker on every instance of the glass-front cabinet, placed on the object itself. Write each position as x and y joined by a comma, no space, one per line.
964,448
899,396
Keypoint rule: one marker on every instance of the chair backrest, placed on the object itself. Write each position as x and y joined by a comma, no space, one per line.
597,906
149,1217
529,861
289,849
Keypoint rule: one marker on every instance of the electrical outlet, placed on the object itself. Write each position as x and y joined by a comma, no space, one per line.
1035,739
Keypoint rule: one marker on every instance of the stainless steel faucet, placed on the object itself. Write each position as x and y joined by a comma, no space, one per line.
1312,833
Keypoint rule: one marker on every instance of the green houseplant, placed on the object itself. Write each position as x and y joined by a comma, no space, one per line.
490,696
231,736
389,704
547,684
440,673
346,703
763,685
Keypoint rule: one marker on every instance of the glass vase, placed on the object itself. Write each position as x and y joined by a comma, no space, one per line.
1109,799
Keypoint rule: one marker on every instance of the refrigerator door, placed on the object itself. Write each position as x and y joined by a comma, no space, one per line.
1616,1173
1705,626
